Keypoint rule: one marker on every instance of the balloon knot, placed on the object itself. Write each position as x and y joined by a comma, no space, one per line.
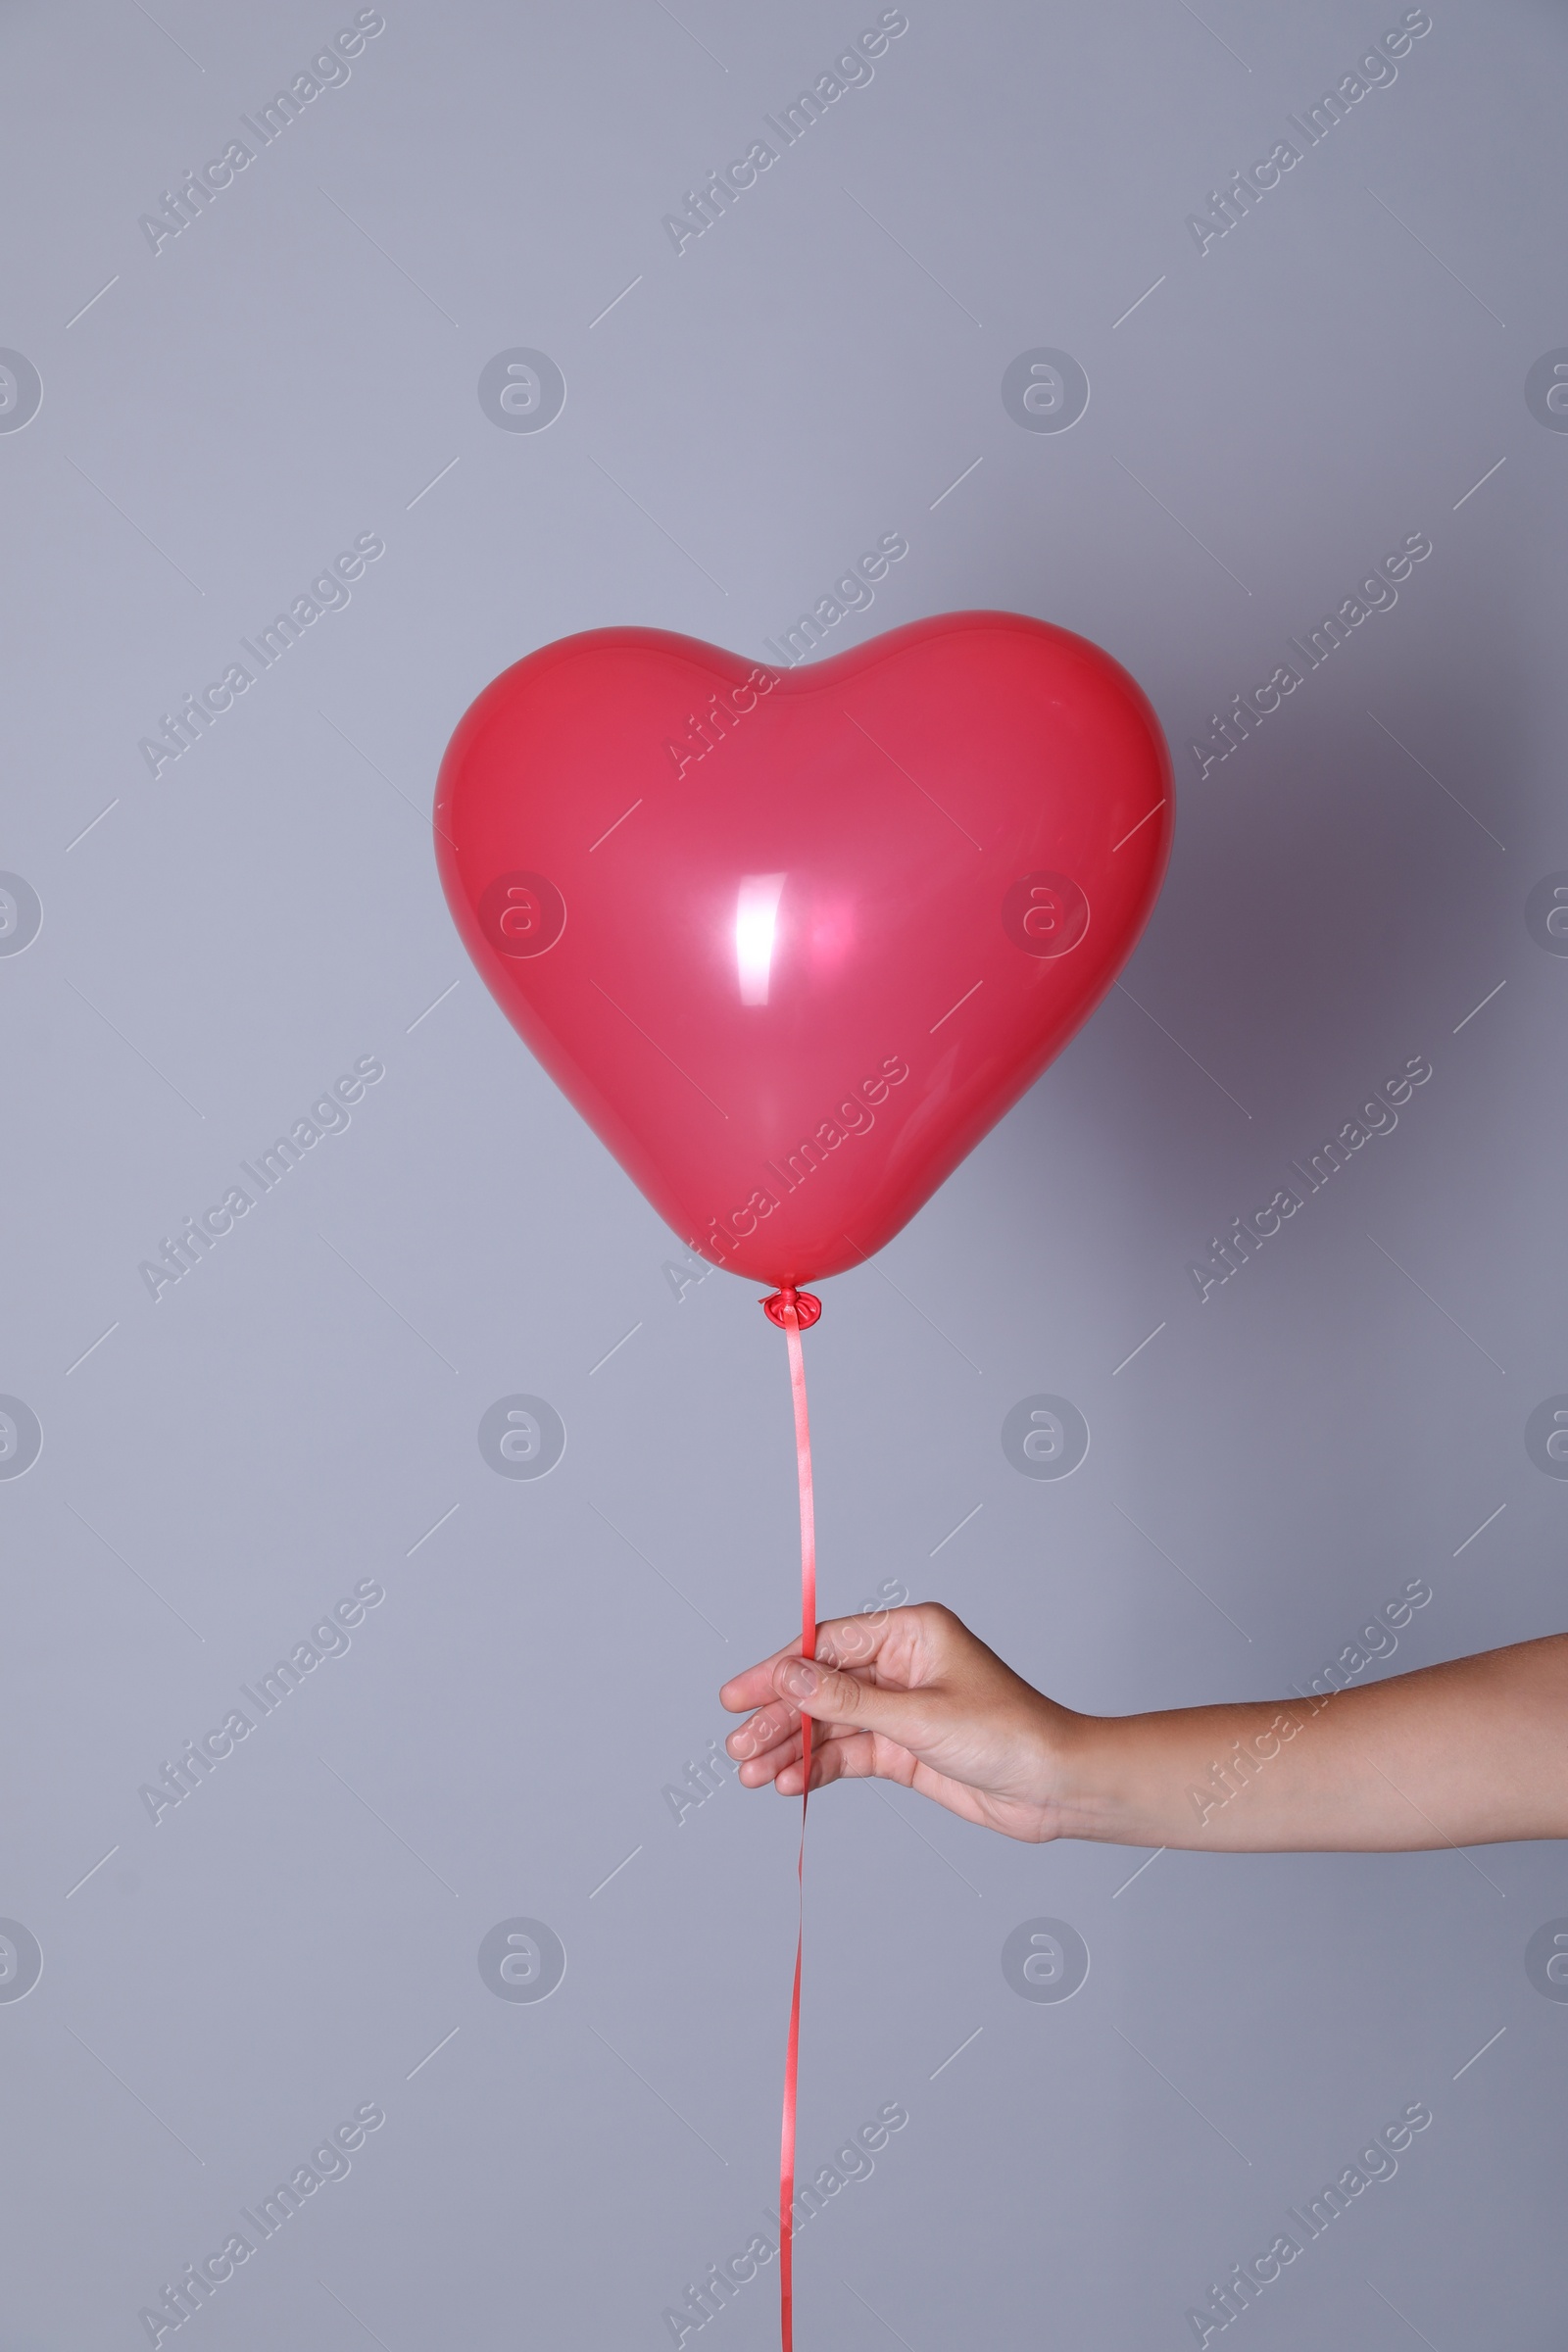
807,1308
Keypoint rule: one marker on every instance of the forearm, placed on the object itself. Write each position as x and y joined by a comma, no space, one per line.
1461,1754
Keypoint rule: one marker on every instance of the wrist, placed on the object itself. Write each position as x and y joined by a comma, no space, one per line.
1086,1776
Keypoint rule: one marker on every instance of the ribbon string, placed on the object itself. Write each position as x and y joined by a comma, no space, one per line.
794,1312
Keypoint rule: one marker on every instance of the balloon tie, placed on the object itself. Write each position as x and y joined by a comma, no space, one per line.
795,1311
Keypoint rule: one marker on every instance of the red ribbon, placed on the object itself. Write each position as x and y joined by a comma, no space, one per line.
794,1312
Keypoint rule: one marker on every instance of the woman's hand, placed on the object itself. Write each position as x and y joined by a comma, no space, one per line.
1459,1754
908,1695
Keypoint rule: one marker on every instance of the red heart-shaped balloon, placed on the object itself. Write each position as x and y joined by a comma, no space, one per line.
792,940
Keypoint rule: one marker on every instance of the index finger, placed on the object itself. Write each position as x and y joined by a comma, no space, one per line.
850,1641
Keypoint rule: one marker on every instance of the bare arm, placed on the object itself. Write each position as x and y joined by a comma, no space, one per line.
1461,1754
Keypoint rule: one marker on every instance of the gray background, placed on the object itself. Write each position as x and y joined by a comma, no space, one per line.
294,1939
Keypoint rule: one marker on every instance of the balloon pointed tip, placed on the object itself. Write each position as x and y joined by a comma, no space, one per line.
807,1308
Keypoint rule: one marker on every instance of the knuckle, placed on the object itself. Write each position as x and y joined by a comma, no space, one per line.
845,1692
846,1643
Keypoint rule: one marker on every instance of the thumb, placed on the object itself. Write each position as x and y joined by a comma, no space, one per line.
829,1696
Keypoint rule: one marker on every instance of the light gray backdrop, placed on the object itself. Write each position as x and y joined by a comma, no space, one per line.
1272,411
